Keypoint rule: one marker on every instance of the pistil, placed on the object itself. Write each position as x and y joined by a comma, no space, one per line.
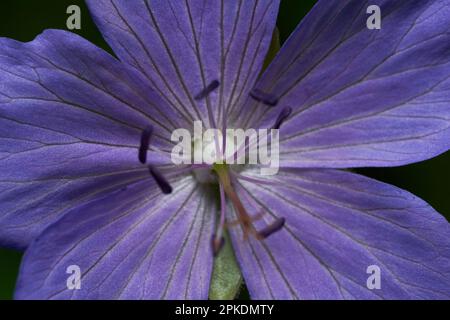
244,219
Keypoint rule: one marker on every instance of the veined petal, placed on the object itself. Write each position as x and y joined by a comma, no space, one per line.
64,83
71,117
182,46
337,225
133,244
363,97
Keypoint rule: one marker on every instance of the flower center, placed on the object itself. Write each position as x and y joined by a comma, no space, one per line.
216,170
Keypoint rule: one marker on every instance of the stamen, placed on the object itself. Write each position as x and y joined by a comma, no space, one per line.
217,244
145,142
205,92
253,218
244,219
271,229
266,98
284,114
162,182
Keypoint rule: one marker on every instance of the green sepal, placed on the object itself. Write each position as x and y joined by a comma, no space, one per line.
226,281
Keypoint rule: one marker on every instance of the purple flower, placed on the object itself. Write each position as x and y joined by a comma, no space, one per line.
78,186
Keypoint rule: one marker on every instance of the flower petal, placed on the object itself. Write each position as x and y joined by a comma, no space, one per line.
133,244
182,46
71,117
363,97
337,225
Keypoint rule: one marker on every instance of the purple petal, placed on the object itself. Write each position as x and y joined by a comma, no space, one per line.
337,225
183,46
71,117
363,97
133,244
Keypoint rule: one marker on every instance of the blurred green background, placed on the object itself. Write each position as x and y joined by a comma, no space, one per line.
24,19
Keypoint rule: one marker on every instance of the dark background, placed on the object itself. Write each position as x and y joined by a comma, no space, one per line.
24,19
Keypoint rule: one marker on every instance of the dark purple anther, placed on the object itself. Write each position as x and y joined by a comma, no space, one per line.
266,98
162,182
145,142
210,88
284,114
217,244
271,229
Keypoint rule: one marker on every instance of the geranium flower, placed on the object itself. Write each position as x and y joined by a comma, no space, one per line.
87,179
